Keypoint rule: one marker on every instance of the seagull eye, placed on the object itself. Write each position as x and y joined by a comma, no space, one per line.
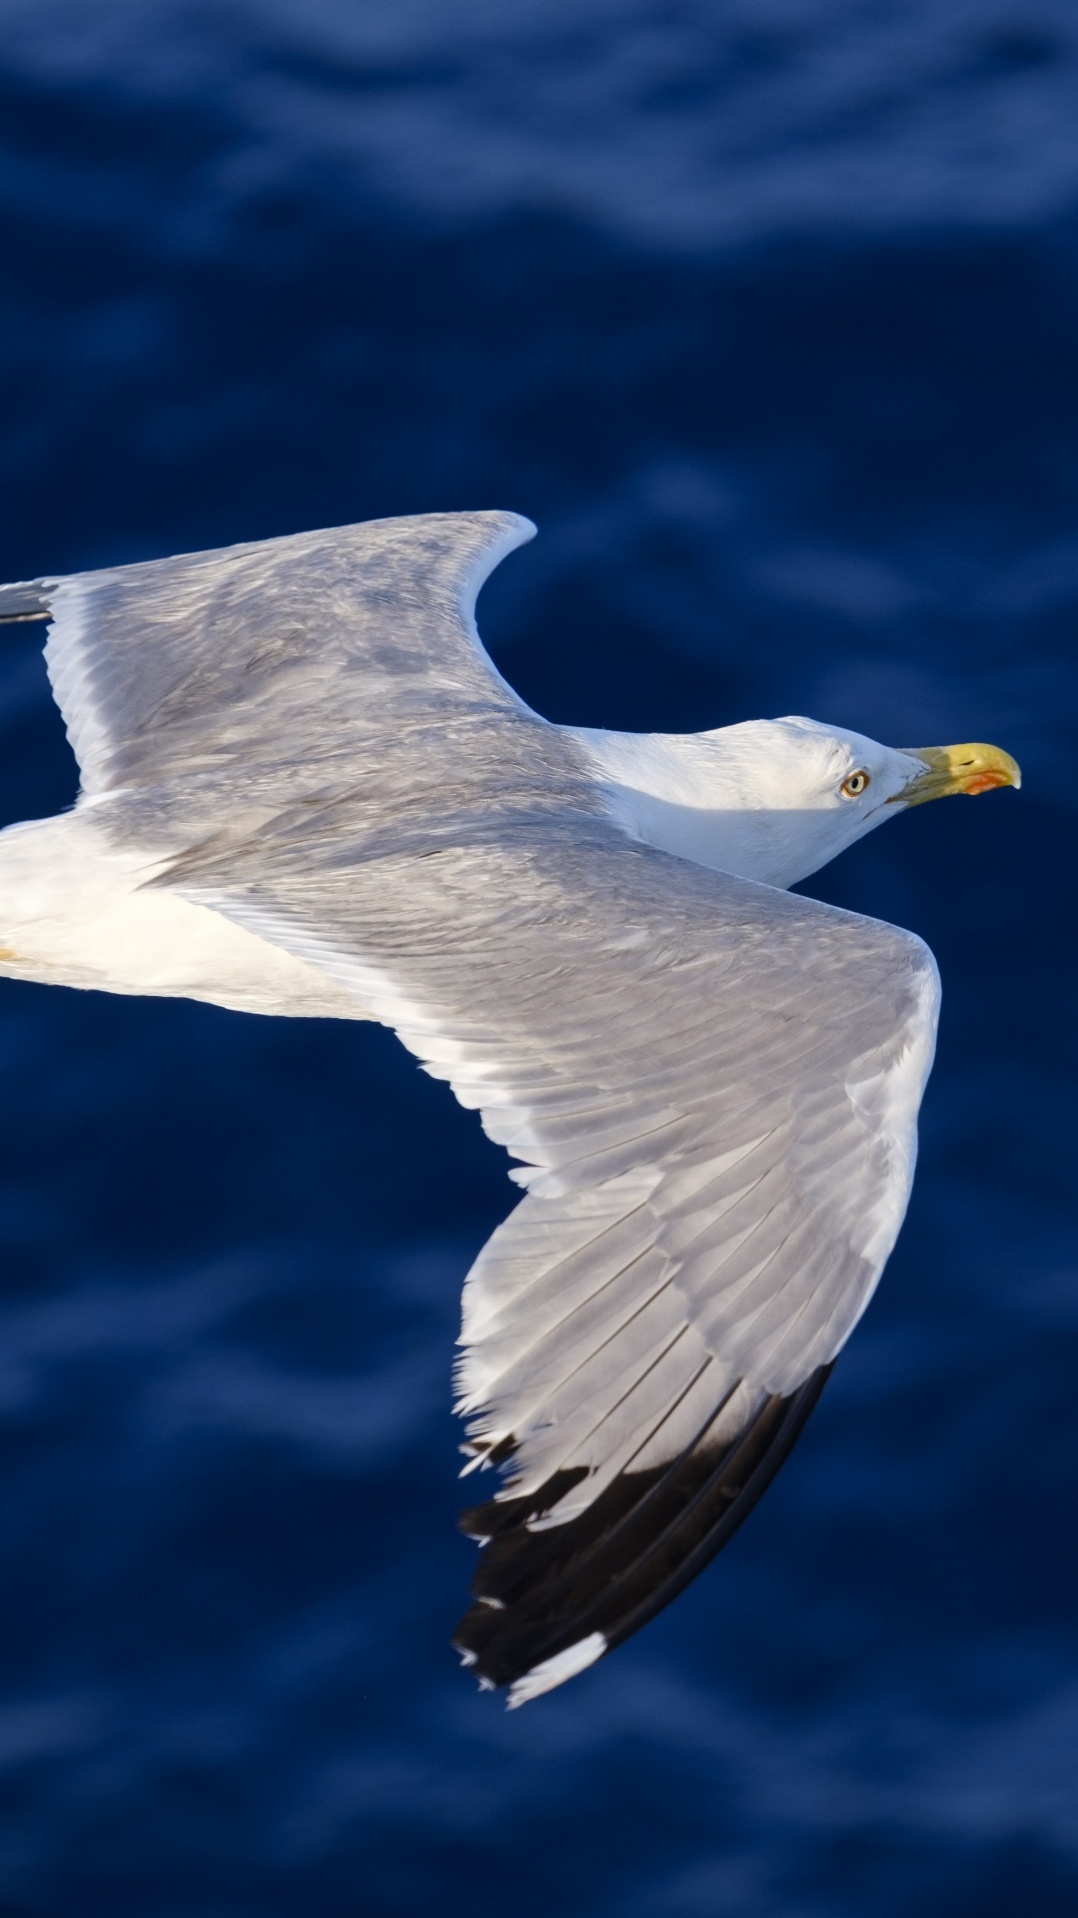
854,785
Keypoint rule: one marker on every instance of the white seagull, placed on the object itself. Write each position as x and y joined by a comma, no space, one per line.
306,789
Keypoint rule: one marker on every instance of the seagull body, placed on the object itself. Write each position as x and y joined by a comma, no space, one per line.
306,790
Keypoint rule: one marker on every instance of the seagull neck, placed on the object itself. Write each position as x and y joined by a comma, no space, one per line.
677,792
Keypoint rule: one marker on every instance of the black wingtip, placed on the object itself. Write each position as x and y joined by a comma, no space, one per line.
539,1595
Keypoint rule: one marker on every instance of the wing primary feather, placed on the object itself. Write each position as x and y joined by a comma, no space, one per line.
592,1352
25,600
660,1531
482,1520
764,1449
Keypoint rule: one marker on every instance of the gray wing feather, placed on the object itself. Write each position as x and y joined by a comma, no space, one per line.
24,600
257,672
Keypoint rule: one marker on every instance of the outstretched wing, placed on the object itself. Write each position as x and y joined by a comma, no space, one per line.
714,1087
235,682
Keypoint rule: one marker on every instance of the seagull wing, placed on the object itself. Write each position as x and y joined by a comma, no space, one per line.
230,681
712,1086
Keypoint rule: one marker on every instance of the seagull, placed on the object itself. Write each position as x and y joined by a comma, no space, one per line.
306,790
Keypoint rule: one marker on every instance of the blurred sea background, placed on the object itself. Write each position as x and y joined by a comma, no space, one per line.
767,313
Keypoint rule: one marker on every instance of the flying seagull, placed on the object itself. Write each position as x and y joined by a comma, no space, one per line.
306,789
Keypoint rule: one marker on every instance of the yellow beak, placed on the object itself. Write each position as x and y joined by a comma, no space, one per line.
958,769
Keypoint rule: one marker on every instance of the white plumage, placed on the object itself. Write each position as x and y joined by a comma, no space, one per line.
306,790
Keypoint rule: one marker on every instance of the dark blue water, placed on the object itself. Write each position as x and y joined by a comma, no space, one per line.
767,314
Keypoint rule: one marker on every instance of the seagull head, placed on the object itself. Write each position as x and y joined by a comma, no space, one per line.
826,787
776,799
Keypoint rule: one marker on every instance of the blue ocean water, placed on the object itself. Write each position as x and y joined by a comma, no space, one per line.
767,315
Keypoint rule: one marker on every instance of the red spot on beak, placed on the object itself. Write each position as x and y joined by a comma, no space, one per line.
985,783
